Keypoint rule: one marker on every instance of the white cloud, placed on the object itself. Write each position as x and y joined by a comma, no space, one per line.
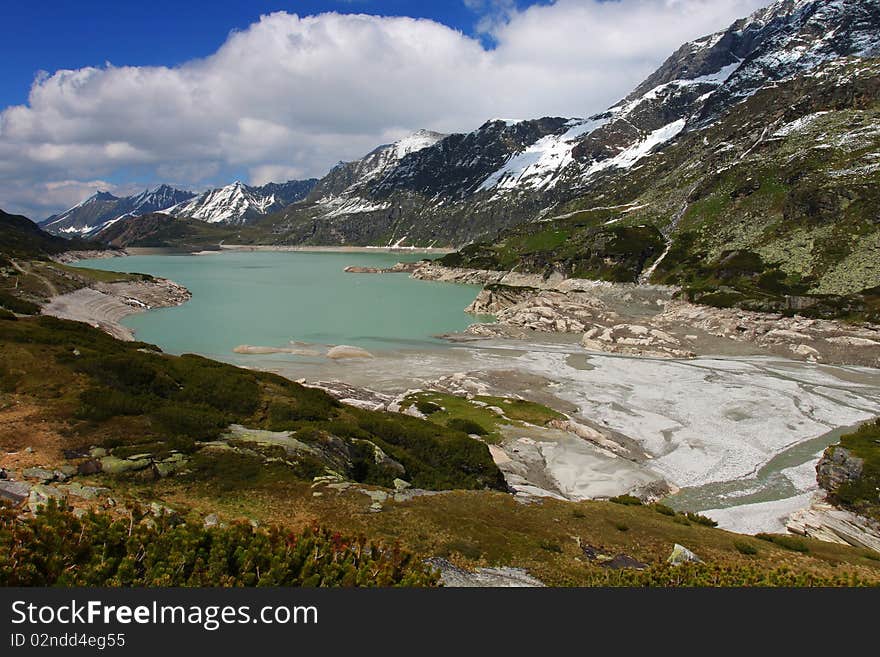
293,95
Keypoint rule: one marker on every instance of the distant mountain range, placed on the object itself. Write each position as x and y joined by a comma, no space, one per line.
234,204
102,209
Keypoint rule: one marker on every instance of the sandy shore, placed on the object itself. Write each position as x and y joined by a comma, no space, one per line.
105,305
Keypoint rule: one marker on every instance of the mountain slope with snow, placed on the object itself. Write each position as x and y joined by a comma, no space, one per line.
103,209
238,204
469,186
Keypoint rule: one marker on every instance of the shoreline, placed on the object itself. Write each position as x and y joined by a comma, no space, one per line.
105,305
648,320
427,250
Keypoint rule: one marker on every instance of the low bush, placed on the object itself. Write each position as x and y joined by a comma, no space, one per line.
55,548
467,426
700,520
17,305
745,548
663,509
788,542
626,500
427,408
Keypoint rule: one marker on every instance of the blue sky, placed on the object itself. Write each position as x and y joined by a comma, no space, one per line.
121,95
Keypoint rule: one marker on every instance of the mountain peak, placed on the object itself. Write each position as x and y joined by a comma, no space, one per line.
101,195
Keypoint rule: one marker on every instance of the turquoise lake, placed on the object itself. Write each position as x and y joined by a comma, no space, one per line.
273,298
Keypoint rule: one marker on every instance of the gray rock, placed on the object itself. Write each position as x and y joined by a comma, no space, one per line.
504,577
40,496
681,555
38,473
212,520
401,485
838,466
68,470
113,465
90,467
160,510
84,492
14,491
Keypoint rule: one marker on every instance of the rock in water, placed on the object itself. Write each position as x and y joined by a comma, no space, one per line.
344,352
681,555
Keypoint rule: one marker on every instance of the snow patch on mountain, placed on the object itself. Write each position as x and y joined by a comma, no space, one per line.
234,203
538,165
355,205
797,125
629,156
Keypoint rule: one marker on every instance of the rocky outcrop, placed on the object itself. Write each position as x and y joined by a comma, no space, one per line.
838,466
70,257
635,340
646,320
455,577
825,522
814,340
399,268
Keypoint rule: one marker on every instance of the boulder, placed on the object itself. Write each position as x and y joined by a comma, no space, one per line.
838,466
114,465
90,467
344,352
681,555
41,494
38,473
15,492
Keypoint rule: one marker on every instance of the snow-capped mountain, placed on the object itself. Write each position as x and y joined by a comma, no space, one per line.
695,86
238,203
103,209
471,185
342,191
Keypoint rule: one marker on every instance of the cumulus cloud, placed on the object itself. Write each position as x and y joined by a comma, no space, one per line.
290,95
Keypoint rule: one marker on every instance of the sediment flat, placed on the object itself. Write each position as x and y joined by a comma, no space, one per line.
105,305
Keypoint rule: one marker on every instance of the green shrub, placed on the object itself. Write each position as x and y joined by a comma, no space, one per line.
626,500
784,541
100,404
621,526
57,549
700,520
551,546
17,305
745,548
427,408
7,315
467,426
663,509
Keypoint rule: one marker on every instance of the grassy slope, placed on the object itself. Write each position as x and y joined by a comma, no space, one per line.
128,397
42,372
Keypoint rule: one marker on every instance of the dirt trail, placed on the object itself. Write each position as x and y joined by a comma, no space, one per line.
51,290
